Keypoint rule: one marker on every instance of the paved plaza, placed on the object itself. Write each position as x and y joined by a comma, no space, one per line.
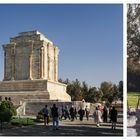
67,128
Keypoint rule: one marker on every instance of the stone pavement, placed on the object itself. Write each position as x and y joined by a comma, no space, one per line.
67,128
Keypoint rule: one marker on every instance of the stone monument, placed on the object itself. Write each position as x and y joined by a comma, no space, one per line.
31,69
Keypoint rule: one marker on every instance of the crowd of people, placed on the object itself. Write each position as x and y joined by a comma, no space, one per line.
100,115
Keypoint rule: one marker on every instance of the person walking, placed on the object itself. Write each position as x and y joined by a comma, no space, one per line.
67,114
55,117
62,113
105,113
113,116
97,116
46,115
110,108
81,113
72,113
75,113
87,112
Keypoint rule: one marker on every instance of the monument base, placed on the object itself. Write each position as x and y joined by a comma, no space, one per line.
21,90
33,106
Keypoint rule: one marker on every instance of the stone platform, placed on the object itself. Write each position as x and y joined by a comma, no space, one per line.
21,90
33,106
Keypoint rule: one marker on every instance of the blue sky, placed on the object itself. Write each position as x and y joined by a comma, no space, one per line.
90,37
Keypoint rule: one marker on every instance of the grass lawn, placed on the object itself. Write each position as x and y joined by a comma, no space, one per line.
23,121
132,98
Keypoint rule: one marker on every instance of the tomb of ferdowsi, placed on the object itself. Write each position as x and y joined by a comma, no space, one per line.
31,70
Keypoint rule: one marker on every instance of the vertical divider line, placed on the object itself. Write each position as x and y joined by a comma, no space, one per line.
125,69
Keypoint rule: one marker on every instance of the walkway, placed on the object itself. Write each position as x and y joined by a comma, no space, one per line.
67,128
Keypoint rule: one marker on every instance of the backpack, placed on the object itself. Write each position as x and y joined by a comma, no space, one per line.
54,112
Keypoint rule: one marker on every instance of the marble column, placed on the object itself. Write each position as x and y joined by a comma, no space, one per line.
48,57
4,64
30,67
55,65
30,62
42,63
13,61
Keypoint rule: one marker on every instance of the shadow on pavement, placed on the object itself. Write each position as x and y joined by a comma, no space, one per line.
40,130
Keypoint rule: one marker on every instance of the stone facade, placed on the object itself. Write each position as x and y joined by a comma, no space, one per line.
31,69
30,56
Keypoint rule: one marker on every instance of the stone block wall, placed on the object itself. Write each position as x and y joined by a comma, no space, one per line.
33,107
23,85
17,97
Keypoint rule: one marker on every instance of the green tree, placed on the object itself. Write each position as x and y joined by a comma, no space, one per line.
133,33
67,81
106,89
133,47
114,94
84,90
91,96
110,91
133,76
94,95
7,110
74,90
121,90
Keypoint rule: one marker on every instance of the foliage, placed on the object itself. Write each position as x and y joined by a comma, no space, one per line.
6,104
94,95
23,121
133,47
121,90
5,115
133,76
133,33
107,92
110,91
76,90
85,90
7,110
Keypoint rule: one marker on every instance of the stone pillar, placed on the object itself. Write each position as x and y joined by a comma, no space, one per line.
13,61
7,62
30,67
48,57
4,63
45,63
55,64
30,62
42,63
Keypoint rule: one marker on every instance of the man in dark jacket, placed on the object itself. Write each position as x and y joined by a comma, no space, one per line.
55,116
113,117
81,113
72,113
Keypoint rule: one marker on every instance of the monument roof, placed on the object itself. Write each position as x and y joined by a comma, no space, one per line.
30,34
